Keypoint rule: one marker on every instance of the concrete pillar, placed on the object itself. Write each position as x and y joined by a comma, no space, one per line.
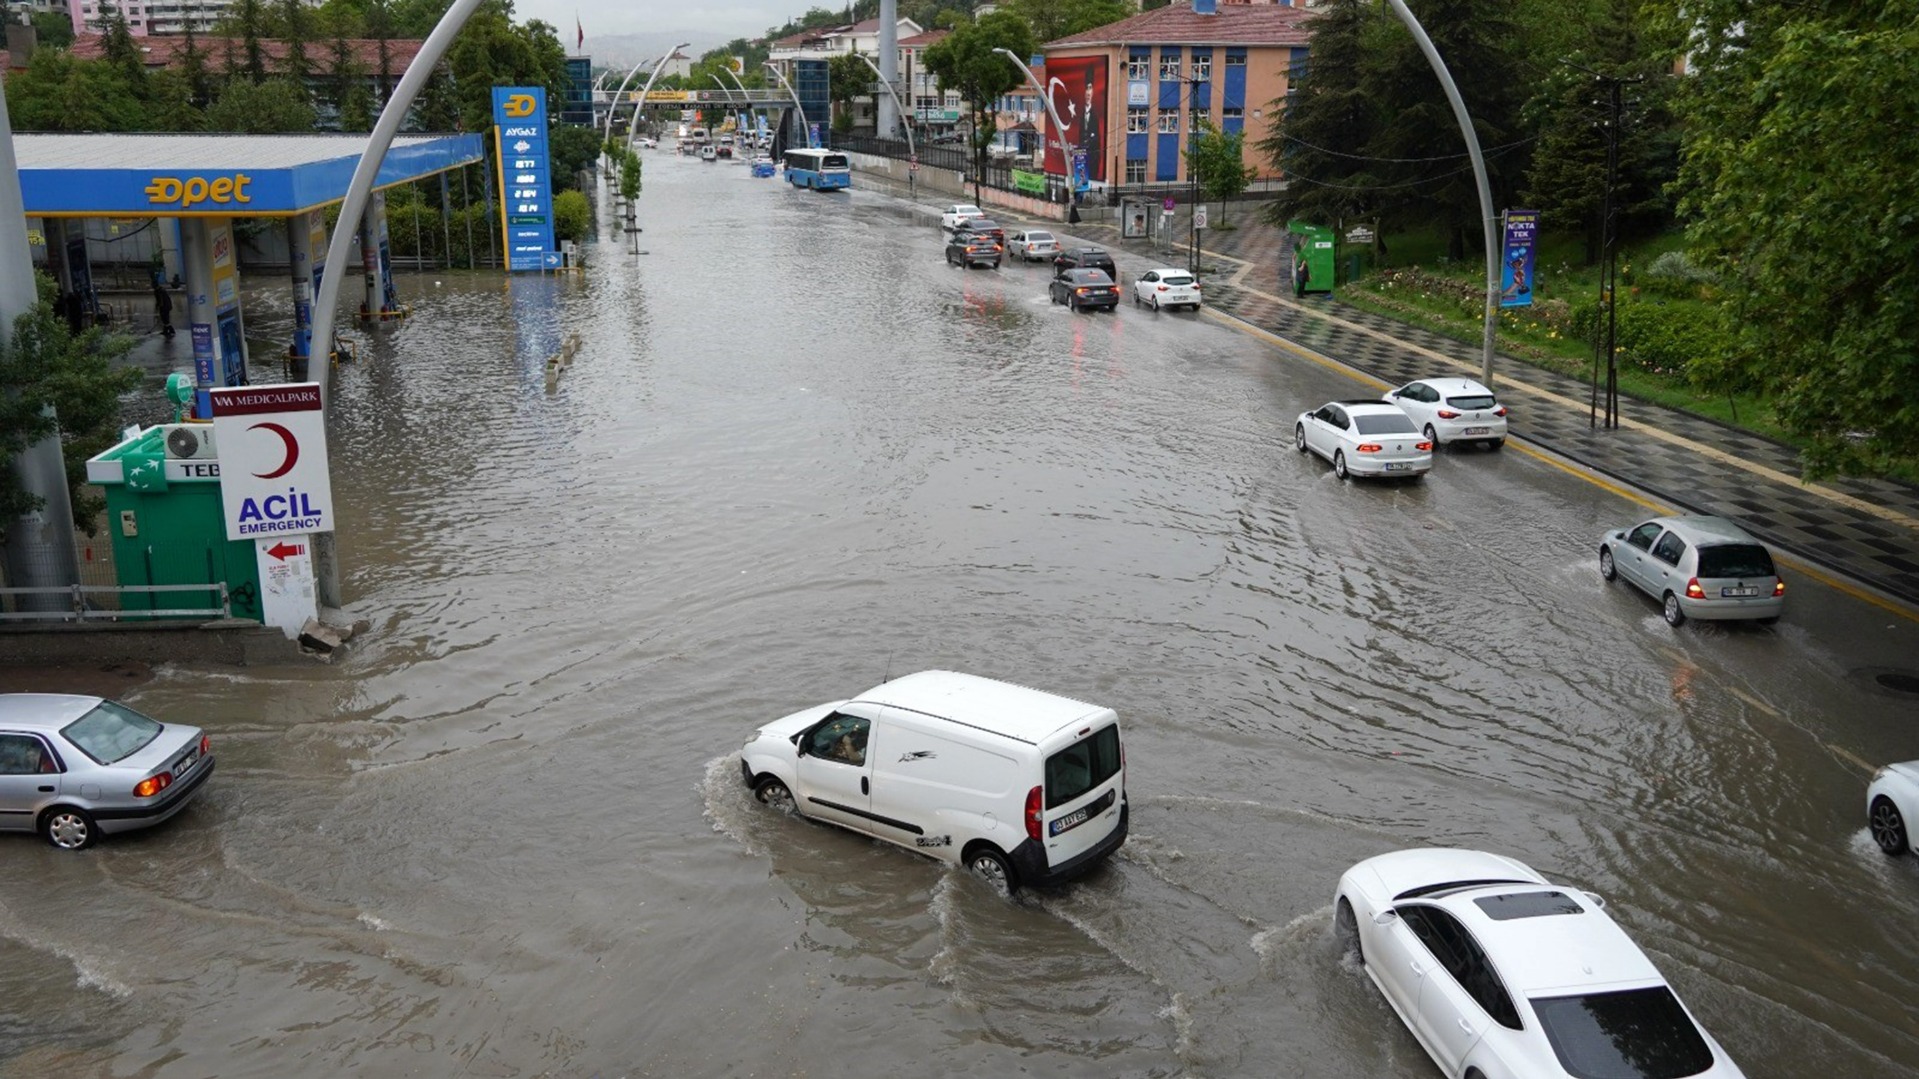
376,260
887,126
300,249
39,547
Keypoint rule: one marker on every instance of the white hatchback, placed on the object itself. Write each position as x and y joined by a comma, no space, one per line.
951,217
1033,245
1892,802
1453,410
1501,975
1166,287
1364,438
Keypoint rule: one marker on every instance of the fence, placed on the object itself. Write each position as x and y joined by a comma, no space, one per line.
954,158
191,583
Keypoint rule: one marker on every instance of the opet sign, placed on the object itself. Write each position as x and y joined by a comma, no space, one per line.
186,192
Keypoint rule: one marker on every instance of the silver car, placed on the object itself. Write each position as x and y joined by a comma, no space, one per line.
74,768
1696,567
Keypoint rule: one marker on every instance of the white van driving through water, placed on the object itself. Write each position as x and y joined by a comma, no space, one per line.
1023,788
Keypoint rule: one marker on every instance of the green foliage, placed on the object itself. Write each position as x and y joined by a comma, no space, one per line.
1217,161
1798,179
847,77
964,60
1327,125
60,93
1051,20
275,105
572,215
54,30
1664,339
571,150
493,51
80,377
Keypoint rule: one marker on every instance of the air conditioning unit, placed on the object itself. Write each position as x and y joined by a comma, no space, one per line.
189,441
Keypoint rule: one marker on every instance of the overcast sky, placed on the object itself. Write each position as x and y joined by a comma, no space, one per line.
705,22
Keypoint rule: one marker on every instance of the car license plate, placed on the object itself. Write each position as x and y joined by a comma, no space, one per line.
186,765
1479,430
1397,466
1071,820
1736,592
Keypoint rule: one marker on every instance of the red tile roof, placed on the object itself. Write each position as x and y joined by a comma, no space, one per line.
919,40
166,50
1176,24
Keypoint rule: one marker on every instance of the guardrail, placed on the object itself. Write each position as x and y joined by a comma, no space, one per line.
79,611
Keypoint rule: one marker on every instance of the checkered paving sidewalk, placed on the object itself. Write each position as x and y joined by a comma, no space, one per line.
1867,530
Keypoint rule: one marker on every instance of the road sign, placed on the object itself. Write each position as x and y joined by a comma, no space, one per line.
274,479
1199,217
1168,204
913,163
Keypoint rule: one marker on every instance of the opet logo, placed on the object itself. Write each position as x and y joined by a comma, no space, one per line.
517,105
193,190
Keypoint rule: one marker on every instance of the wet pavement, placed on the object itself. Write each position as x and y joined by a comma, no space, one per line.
505,834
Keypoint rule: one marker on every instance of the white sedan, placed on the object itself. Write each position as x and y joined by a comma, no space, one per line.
1364,438
1453,410
1033,245
1501,975
951,217
1166,287
1891,801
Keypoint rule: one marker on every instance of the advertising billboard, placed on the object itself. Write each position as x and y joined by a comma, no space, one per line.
526,187
1077,87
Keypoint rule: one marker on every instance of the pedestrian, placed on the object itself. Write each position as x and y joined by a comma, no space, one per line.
163,307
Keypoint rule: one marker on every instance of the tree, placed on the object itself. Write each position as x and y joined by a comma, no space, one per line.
276,105
247,20
1217,160
964,60
352,103
1803,123
193,67
52,29
1326,126
170,104
572,216
571,150
117,48
60,93
79,376
1051,20
492,51
296,29
847,79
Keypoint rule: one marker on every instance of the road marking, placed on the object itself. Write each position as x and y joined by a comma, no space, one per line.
1714,453
1755,702
1848,755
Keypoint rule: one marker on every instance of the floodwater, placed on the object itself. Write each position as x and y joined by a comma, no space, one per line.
505,835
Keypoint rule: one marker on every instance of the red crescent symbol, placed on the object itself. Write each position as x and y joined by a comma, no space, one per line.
293,450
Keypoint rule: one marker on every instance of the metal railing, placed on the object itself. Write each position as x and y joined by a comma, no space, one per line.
80,610
998,174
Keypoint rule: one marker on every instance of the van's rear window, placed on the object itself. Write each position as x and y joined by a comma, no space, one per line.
1735,560
1082,766
833,161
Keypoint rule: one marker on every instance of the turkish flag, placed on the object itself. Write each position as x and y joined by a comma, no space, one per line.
582,32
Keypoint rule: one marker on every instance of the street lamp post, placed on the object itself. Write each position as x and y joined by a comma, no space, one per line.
746,99
1192,174
912,172
1056,131
614,105
639,106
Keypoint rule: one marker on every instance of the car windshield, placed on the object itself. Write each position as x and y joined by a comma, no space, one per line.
1635,1034
112,732
1380,423
1472,400
1080,767
1735,560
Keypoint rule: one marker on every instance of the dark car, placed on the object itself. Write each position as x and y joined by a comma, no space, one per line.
1085,258
967,249
982,226
1077,288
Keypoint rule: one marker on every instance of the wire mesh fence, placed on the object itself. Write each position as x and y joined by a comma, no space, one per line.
184,581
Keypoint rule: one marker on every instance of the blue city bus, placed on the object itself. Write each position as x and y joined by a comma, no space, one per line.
821,170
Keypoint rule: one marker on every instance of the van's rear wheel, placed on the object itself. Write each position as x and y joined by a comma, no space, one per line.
772,792
992,867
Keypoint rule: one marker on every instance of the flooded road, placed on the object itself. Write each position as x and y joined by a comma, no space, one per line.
506,836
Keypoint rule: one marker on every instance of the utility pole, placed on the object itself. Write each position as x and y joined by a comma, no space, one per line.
1608,258
1192,174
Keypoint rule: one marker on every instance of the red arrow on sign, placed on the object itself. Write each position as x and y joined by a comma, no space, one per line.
282,550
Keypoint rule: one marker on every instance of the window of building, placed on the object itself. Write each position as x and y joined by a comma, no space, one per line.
1169,123
1232,112
1235,59
1135,170
1139,67
1203,68
1169,65
1136,120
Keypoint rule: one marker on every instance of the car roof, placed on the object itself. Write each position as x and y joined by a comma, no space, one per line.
1452,384
1548,953
1707,530
43,711
1013,711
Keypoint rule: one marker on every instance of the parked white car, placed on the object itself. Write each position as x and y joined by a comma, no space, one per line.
1696,567
1033,245
1453,410
1166,287
1364,438
1891,801
1022,787
953,215
1501,975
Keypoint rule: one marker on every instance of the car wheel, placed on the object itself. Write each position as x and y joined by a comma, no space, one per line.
1346,931
1769,620
1495,443
1888,827
1432,436
1135,299
1339,463
1606,568
1299,437
771,792
69,827
1675,614
1156,303
992,867
995,264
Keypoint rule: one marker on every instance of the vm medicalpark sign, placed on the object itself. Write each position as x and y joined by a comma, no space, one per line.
276,489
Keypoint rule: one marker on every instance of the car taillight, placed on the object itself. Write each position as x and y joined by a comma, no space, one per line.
1693,591
1778,588
1082,291
1448,414
206,745
1500,411
1032,814
1369,447
1162,288
153,785
1195,286
1425,446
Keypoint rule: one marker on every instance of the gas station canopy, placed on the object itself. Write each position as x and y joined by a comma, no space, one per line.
195,175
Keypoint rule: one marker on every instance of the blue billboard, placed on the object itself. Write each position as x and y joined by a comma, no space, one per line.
526,186
1516,268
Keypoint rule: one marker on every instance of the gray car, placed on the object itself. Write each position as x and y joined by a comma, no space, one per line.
1696,567
74,768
